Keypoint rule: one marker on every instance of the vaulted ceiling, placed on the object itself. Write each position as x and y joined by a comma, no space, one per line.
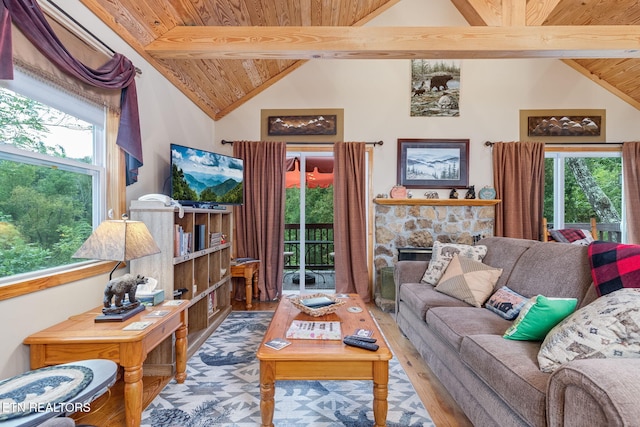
221,53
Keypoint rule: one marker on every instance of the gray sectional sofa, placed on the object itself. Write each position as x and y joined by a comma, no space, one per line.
497,382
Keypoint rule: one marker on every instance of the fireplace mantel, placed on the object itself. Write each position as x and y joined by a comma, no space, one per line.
437,202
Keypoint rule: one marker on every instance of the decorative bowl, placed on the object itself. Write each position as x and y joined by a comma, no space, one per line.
320,311
487,193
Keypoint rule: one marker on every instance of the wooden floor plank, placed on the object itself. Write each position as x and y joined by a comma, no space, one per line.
108,410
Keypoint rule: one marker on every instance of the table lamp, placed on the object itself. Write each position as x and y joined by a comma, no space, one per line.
119,240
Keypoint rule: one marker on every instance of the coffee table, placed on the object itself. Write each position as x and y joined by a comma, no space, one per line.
308,359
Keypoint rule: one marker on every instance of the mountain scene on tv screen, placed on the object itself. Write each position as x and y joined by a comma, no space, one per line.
200,177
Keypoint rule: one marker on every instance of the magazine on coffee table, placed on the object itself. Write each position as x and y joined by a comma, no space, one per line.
314,330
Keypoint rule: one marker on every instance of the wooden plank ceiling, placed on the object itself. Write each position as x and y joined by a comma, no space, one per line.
221,53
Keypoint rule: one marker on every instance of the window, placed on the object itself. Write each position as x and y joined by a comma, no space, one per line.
582,185
52,177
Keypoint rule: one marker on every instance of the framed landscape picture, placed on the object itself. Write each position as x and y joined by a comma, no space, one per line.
433,163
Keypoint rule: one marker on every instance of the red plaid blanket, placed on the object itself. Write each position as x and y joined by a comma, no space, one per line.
614,266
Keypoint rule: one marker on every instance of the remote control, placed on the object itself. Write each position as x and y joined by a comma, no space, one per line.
357,343
359,338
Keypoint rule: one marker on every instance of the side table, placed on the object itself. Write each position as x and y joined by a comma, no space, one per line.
248,270
80,338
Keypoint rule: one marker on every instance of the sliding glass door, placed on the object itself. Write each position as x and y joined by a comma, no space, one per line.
308,251
584,185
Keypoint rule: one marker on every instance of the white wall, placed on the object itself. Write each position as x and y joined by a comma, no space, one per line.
166,116
375,96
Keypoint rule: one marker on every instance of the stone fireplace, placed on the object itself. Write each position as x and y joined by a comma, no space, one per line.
402,223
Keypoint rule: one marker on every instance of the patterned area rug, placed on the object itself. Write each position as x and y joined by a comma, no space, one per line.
222,389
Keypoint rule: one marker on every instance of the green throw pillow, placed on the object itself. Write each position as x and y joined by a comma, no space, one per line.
539,315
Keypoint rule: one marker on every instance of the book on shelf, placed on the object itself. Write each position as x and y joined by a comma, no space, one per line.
182,241
199,238
215,239
314,330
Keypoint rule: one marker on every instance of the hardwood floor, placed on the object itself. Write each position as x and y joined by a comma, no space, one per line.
108,410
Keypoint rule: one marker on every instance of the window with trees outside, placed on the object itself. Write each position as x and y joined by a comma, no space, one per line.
584,185
52,177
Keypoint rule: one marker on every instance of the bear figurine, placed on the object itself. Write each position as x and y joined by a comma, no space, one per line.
121,286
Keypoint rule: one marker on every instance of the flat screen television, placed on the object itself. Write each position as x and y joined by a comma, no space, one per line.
205,179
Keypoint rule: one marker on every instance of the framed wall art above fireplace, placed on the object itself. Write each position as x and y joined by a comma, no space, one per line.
433,163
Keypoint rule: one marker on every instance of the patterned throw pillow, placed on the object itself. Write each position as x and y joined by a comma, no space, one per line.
614,266
573,236
506,303
538,316
609,327
441,256
468,280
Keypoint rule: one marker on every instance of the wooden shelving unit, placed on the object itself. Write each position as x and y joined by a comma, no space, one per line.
205,271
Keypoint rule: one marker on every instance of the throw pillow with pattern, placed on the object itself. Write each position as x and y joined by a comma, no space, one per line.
468,280
442,255
614,266
609,327
506,303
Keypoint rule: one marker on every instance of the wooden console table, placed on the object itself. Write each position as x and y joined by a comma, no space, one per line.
80,338
248,270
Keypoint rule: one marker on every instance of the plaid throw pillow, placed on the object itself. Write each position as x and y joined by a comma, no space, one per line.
614,266
567,235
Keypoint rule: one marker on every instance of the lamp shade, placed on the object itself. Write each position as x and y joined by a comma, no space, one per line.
115,240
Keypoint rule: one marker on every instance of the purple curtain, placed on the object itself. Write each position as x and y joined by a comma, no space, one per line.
117,74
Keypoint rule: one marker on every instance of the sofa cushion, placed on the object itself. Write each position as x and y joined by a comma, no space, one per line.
543,268
614,266
504,253
455,323
506,303
538,316
607,328
442,254
420,297
468,280
510,368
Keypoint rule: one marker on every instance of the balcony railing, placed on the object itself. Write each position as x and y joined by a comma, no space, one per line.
318,246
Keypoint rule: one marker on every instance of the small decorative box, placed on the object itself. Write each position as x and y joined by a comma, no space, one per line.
151,298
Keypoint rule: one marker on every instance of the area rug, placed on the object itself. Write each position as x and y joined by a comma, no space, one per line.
222,389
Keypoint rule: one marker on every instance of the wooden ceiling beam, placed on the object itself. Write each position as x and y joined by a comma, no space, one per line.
539,10
593,41
480,12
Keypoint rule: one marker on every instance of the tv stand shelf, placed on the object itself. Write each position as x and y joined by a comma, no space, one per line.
205,273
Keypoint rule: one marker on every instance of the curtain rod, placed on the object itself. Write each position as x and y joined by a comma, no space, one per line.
374,143
83,28
491,144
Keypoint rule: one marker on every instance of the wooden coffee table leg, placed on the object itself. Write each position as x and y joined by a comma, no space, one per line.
267,392
380,392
